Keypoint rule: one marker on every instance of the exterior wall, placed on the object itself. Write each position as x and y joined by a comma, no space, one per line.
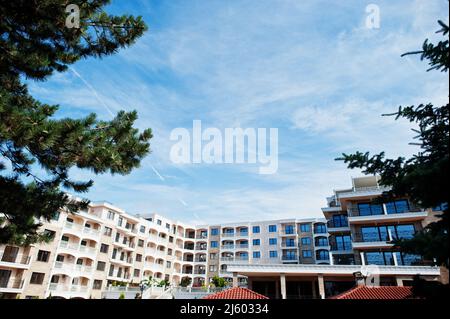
77,266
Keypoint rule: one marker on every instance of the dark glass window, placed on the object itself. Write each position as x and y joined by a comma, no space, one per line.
43,255
256,229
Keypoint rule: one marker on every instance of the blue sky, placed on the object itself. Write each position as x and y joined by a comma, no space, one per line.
309,68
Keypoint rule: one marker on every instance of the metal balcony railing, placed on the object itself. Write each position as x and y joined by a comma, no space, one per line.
340,247
22,259
358,237
337,224
12,284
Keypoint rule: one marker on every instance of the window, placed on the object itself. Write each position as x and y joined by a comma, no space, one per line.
379,258
367,209
111,215
256,254
136,273
343,242
212,268
306,254
213,256
397,207
168,264
272,241
167,225
272,228
256,242
159,222
97,284
140,242
43,255
305,228
37,278
142,229
321,241
107,231
56,216
120,221
273,254
170,239
214,244
138,257
339,221
320,228
256,229
49,233
169,251
101,266
306,241
214,231
322,255
289,242
289,229
104,248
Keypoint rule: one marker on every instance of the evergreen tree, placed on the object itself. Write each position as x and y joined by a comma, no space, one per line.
423,177
36,150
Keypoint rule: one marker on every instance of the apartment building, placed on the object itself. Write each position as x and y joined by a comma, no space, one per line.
360,233
104,246
361,230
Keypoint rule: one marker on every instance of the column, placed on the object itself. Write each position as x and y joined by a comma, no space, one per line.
321,286
283,286
235,279
399,281
363,260
330,254
314,289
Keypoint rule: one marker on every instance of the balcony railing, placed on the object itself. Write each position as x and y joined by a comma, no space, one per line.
227,259
340,247
355,211
228,234
200,272
12,284
16,259
80,248
230,246
289,258
380,237
337,224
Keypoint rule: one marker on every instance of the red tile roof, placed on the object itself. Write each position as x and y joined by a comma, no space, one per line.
236,293
379,292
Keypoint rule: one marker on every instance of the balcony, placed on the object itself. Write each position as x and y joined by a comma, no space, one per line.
341,248
227,259
238,259
11,286
202,247
338,226
242,246
227,247
289,258
200,272
381,240
70,268
379,212
84,250
21,261
288,232
228,234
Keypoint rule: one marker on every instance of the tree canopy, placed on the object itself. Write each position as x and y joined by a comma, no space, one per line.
36,149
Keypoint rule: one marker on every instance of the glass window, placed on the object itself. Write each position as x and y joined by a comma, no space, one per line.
256,254
370,234
306,241
101,266
305,228
43,255
273,254
104,248
256,242
322,255
290,242
272,228
256,229
142,229
289,229
320,228
272,241
339,221
214,244
321,241
214,231
307,253
404,231
37,278
140,242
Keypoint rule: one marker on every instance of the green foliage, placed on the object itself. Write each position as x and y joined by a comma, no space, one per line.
163,283
185,281
122,295
219,282
422,177
34,43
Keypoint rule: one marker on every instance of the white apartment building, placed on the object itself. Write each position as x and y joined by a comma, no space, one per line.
104,246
